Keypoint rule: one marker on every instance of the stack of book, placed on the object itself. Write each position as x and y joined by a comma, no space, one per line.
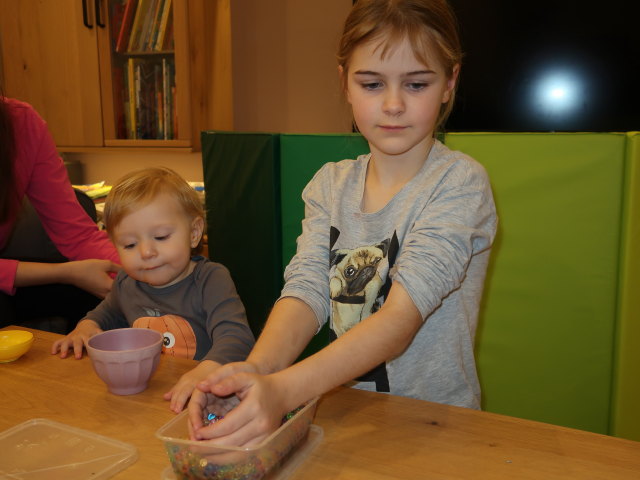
144,69
145,26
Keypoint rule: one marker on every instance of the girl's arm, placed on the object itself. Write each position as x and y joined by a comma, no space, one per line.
266,398
377,339
288,330
290,327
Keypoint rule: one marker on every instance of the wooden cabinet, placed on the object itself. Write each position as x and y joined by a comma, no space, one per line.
62,56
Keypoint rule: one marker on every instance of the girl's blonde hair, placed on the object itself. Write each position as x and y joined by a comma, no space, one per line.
139,188
430,26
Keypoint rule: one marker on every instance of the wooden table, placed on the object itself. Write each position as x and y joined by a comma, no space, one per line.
366,435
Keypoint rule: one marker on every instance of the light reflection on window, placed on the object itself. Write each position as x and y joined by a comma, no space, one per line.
558,92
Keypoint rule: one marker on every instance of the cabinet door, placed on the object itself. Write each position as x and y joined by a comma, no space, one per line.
50,59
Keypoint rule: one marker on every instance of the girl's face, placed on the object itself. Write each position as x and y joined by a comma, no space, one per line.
155,241
396,100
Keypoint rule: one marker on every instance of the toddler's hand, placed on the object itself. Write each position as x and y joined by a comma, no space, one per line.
77,339
181,391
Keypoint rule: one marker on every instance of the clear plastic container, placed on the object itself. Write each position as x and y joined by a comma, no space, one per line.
282,451
42,449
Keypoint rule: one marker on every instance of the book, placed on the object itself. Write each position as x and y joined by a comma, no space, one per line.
125,95
119,100
155,28
131,97
168,37
138,23
159,113
137,90
165,100
146,25
115,21
162,28
147,97
174,111
125,27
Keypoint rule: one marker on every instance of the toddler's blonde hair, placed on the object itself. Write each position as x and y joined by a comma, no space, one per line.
139,188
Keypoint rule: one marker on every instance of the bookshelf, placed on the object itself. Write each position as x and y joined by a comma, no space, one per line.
143,71
120,74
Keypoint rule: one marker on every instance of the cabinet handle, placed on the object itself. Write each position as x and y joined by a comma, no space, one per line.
85,15
98,14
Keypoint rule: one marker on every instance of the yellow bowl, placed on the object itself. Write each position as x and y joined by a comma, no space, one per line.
14,344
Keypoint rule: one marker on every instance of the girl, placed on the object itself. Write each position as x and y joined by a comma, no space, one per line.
394,247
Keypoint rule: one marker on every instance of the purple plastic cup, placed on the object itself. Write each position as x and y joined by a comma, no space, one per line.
125,358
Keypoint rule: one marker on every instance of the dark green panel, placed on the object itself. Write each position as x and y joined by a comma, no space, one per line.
242,178
301,157
545,341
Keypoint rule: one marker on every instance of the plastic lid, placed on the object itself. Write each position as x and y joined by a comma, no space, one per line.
48,450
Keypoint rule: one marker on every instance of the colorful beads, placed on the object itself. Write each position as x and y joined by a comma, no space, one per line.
291,414
211,418
191,466
201,463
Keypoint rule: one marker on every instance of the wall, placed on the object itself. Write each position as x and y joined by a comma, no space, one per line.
111,165
284,68
285,80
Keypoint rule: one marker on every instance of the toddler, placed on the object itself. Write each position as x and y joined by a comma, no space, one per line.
156,222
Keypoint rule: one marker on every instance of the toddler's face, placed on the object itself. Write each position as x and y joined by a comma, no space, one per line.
155,242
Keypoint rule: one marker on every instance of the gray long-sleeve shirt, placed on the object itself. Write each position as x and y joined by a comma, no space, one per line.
433,237
200,317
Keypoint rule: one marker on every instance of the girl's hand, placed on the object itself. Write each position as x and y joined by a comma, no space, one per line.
182,390
92,276
77,339
258,414
202,401
201,398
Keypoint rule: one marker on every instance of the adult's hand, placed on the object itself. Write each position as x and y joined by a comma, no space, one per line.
93,276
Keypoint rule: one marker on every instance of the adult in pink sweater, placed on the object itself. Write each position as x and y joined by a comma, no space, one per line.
30,166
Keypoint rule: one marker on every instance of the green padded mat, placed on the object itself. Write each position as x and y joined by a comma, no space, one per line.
301,156
549,340
242,196
626,394
545,340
